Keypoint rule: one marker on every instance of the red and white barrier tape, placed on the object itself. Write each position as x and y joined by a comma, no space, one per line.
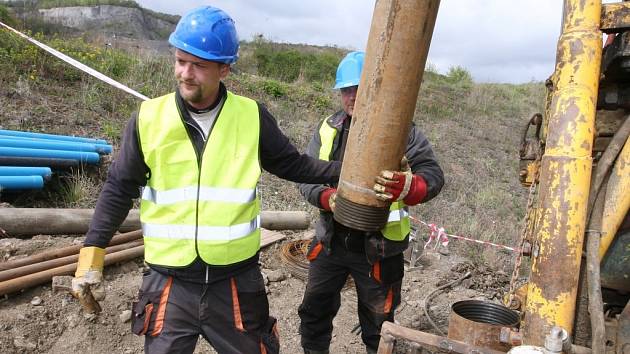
440,236
78,64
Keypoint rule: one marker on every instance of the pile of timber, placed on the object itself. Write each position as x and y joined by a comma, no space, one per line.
40,268
23,273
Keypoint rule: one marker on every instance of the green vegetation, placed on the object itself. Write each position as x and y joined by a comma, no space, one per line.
291,65
473,127
5,16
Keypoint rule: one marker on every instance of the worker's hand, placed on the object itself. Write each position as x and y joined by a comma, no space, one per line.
394,185
401,185
88,279
327,199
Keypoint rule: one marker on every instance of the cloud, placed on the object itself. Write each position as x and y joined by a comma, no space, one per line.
496,40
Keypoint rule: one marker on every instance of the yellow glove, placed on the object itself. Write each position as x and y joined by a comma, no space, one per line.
89,274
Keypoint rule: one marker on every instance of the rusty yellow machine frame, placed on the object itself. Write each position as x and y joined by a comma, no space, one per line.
581,193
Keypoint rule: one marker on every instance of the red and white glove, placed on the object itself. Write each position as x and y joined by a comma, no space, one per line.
400,185
327,199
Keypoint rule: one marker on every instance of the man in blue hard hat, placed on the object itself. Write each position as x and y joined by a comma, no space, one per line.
197,153
374,259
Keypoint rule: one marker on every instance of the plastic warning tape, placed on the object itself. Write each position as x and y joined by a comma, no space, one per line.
439,235
77,64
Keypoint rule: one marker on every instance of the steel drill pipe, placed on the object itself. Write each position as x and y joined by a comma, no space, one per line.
58,262
396,54
27,281
66,251
36,221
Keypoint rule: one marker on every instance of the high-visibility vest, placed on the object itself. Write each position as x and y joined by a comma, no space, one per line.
207,206
398,224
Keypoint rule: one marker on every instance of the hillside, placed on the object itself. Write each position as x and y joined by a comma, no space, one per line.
474,128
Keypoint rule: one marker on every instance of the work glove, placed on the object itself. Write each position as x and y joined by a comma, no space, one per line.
89,275
327,199
402,185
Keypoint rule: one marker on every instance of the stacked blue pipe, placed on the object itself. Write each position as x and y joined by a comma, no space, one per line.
26,158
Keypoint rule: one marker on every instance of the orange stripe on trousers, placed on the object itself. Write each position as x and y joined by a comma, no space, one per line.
236,307
159,319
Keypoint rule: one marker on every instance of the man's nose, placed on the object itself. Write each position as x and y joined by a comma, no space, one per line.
185,71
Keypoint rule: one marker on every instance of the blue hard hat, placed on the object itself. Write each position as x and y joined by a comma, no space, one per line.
208,33
349,70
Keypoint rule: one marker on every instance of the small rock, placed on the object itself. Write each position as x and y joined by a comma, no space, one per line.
72,321
276,275
415,318
90,317
125,316
36,301
23,343
129,267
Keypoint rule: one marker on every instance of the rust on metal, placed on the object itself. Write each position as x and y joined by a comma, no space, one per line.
565,174
481,324
396,54
615,17
391,331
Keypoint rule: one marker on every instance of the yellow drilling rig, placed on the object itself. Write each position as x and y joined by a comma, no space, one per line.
575,159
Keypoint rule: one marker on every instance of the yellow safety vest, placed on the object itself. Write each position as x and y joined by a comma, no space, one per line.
210,207
398,223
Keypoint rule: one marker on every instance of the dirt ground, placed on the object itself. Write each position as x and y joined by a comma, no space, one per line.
40,321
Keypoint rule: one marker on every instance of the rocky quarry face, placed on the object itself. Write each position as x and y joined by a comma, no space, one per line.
108,19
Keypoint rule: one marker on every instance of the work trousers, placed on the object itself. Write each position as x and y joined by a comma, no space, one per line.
231,314
377,286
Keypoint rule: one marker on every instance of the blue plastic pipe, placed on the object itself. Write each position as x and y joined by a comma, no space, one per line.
51,136
25,171
55,145
21,182
86,157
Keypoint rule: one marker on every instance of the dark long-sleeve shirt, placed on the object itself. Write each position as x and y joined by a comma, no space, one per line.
128,173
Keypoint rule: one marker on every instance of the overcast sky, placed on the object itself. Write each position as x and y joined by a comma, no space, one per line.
496,40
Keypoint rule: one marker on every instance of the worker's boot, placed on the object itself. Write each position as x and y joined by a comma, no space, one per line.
310,351
369,350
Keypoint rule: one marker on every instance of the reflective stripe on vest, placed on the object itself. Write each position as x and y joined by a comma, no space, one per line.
398,224
209,207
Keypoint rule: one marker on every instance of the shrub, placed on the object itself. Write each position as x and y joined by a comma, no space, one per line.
459,75
290,65
5,16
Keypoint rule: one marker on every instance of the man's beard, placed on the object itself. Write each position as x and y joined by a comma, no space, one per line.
194,96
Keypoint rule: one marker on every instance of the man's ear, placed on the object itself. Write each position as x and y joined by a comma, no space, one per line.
224,70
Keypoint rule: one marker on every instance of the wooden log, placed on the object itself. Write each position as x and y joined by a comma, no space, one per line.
42,221
49,221
57,262
27,281
34,279
66,251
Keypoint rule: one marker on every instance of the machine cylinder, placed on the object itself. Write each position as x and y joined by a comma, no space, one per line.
479,323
